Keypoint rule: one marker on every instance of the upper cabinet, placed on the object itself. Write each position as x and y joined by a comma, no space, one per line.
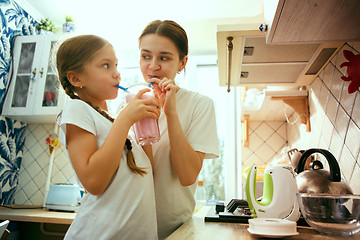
304,21
298,39
245,59
33,95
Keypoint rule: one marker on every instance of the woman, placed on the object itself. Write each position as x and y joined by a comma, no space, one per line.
187,125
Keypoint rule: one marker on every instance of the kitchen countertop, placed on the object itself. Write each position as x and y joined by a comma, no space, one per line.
35,214
193,229
197,229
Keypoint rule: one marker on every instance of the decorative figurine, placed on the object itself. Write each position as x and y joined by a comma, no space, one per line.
353,70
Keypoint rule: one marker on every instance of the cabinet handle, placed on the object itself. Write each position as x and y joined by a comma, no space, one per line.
263,27
41,72
32,78
230,48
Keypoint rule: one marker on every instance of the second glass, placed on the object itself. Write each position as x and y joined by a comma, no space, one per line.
147,129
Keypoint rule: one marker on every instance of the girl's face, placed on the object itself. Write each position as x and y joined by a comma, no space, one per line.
159,58
100,77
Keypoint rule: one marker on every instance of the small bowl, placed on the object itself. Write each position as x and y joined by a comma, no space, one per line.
331,214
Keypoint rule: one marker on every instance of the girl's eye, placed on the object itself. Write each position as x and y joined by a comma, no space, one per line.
163,58
106,66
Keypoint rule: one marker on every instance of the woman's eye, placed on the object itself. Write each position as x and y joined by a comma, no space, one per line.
106,66
163,58
145,57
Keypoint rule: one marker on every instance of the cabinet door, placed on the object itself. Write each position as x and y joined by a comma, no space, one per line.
50,96
25,70
264,64
299,21
250,62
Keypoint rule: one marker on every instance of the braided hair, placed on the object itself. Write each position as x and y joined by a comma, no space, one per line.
71,56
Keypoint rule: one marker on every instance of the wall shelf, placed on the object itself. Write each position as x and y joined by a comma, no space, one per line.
300,105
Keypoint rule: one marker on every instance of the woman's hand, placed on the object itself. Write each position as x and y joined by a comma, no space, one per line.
165,91
140,107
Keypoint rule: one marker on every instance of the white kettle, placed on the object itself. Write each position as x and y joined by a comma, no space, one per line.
279,193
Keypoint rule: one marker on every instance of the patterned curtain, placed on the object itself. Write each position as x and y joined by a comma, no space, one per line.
13,21
12,139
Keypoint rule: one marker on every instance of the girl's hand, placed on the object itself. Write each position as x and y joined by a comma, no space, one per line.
139,108
165,91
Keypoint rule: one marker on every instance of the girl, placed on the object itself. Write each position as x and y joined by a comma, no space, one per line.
120,199
187,125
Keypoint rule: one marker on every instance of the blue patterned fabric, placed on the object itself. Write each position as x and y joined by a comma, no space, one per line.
13,21
12,141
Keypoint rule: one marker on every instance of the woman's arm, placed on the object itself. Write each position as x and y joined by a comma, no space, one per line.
187,162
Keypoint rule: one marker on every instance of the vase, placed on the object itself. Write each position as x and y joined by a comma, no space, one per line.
69,27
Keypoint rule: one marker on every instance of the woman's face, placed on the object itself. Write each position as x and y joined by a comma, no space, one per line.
159,58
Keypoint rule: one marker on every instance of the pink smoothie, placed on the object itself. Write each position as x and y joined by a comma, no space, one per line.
147,129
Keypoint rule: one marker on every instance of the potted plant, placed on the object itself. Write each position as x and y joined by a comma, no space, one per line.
45,26
69,25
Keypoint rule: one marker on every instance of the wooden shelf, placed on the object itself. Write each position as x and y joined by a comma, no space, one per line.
301,107
246,131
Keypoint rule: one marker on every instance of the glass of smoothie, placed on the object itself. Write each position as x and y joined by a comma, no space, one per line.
147,129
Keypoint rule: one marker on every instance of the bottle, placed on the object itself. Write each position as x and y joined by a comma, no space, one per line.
200,194
212,201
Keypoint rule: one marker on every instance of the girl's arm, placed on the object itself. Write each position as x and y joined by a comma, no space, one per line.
186,161
94,166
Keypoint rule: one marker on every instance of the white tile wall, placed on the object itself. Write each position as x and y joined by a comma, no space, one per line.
334,118
266,140
35,164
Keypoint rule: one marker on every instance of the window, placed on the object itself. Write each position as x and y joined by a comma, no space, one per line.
219,175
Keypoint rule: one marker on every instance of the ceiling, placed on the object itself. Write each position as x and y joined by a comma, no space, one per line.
121,22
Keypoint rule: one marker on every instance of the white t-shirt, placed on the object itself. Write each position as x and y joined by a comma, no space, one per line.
126,210
174,202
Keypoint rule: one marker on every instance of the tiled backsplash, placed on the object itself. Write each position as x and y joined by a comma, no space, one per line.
35,165
334,119
266,140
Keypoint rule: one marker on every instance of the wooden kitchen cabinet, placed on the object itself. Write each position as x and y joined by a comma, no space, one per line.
305,21
33,95
254,63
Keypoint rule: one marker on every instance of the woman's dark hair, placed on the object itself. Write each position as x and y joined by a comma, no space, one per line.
171,30
72,55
